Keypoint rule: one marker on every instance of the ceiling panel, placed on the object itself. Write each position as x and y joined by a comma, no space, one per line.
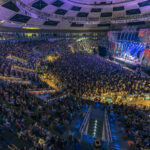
67,12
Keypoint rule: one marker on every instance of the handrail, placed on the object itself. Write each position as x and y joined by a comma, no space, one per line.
85,121
108,131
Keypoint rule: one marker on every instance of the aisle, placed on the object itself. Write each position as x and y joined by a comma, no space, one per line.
95,128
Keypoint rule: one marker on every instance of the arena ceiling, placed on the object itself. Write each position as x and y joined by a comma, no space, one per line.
74,14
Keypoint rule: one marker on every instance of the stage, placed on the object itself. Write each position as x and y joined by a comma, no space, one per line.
132,64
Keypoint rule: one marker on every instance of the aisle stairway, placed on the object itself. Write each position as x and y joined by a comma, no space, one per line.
94,128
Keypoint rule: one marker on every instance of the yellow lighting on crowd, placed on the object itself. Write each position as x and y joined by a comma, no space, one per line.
140,103
51,80
21,68
16,58
90,51
9,78
42,91
72,48
14,80
21,82
31,34
80,39
50,83
129,69
53,57
41,141
122,98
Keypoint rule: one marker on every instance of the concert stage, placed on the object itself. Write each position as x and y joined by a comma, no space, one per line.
132,64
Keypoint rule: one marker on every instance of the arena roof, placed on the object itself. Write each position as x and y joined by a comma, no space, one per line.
74,14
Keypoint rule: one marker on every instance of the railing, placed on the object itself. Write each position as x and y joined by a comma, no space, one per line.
108,131
113,2
85,122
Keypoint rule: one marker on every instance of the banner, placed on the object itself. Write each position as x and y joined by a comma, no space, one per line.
113,46
146,58
142,32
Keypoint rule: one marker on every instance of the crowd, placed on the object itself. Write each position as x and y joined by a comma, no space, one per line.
36,124
84,45
31,122
88,75
89,44
135,124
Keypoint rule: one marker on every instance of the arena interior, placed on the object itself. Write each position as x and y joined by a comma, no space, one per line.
74,74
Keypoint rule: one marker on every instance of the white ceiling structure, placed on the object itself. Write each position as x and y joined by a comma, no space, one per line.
73,14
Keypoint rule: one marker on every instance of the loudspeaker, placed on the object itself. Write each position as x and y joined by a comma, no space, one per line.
102,51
